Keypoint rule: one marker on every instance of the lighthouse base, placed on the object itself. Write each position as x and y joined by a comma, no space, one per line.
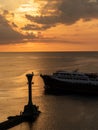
30,112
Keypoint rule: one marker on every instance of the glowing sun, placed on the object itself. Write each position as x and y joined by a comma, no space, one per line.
29,8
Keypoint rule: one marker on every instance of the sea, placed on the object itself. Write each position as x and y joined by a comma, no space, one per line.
58,112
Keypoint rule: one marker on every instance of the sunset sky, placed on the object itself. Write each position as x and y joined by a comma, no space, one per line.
48,25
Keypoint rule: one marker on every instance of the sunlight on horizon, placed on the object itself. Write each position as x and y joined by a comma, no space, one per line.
44,47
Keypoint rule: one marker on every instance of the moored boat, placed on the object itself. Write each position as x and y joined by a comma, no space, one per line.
71,82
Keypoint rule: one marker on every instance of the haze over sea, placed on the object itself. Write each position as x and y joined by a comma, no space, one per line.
66,112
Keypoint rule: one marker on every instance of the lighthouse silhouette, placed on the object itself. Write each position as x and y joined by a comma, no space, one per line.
29,78
30,110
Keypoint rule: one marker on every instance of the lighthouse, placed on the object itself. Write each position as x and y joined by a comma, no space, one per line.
30,110
29,114
29,78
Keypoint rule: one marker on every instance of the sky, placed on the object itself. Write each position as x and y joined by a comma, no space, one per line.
48,25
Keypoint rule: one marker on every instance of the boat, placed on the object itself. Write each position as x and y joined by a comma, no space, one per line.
71,82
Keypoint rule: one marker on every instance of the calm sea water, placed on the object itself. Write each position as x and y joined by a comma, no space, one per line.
66,112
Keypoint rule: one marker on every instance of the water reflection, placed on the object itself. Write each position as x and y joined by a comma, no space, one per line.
58,112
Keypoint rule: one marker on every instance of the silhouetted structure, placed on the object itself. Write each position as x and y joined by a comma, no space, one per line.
63,82
30,112
29,78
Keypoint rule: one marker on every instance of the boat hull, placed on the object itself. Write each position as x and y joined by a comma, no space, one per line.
53,85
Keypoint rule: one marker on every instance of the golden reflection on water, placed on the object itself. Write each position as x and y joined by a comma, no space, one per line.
22,90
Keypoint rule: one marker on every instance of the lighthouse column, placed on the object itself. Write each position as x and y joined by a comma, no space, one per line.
30,111
29,78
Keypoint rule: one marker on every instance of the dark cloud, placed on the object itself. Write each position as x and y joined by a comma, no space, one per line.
14,25
43,19
36,27
8,35
71,11
66,12
31,27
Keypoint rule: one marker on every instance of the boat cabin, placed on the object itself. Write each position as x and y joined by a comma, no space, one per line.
71,75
